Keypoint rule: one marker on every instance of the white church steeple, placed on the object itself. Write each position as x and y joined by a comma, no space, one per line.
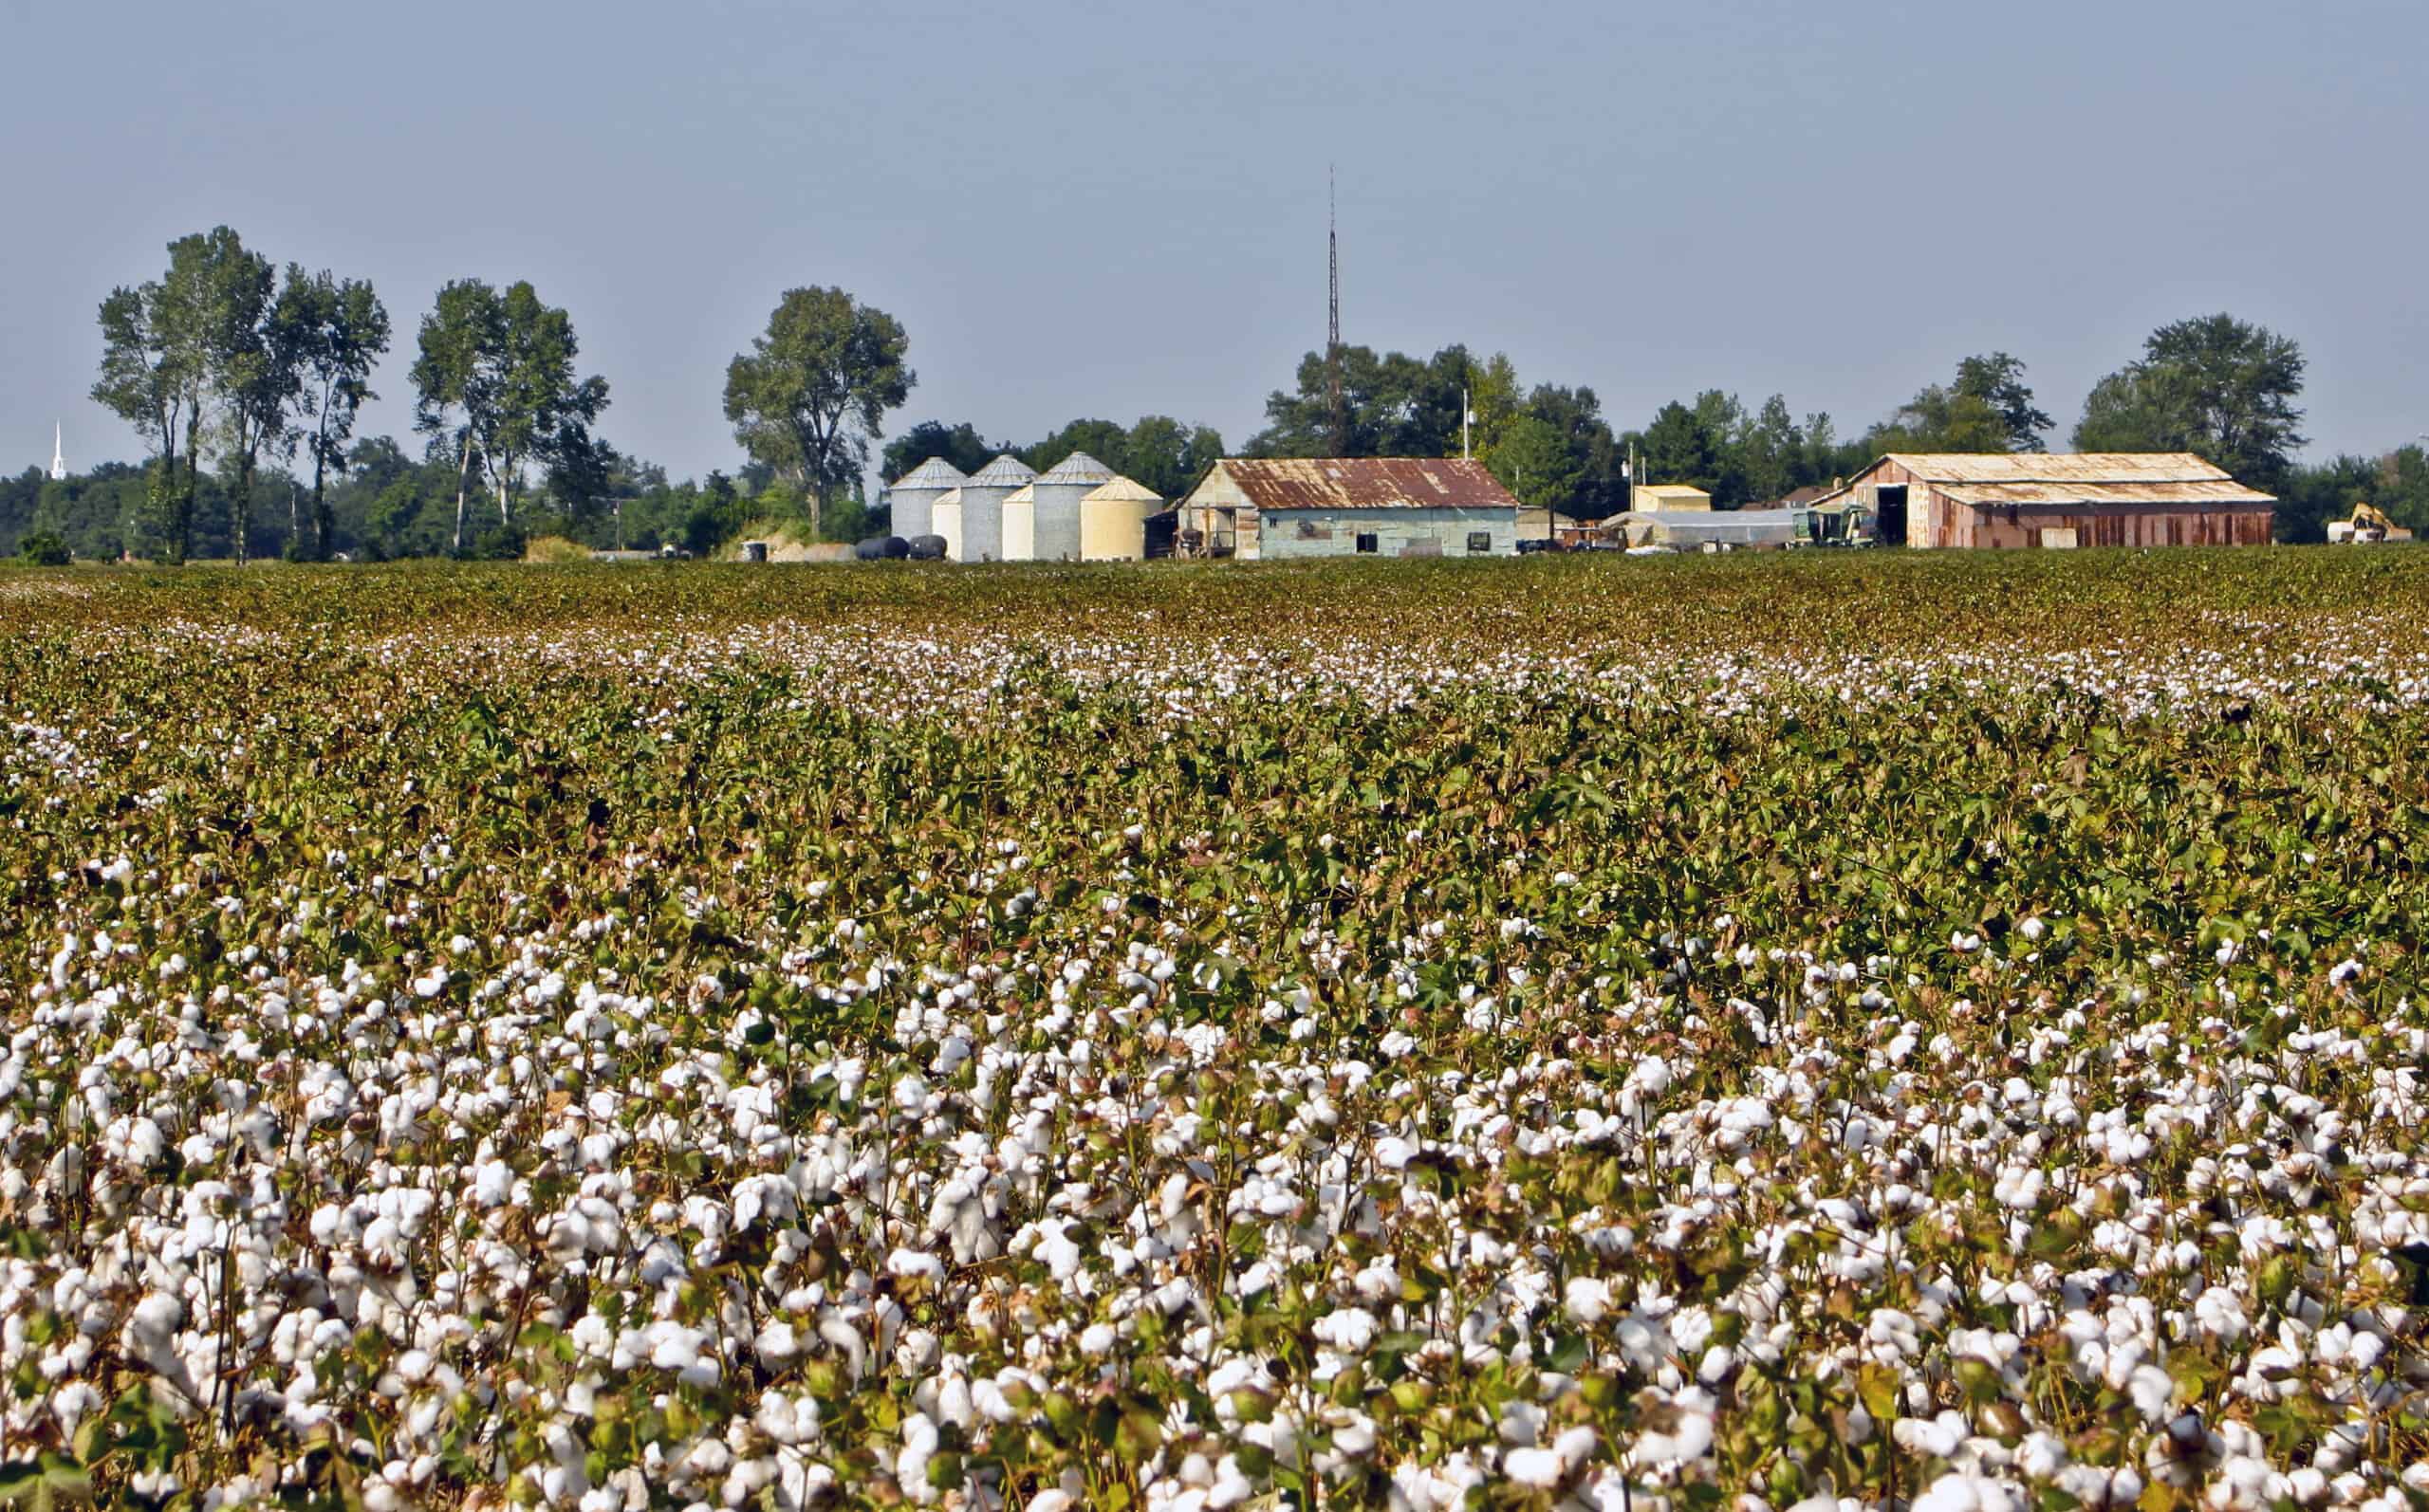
58,454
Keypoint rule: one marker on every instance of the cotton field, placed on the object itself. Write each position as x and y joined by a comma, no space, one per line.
1757,1034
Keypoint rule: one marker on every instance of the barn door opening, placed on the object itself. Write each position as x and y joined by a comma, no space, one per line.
1890,503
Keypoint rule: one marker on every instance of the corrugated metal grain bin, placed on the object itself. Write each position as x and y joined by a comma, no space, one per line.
1060,490
981,537
1113,521
944,522
914,494
1020,523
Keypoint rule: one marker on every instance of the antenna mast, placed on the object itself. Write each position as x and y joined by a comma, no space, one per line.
1332,336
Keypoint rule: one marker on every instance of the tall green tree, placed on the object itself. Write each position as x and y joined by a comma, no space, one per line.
544,411
338,331
1532,460
1988,408
2216,386
1163,455
496,385
252,373
960,445
812,394
157,369
456,378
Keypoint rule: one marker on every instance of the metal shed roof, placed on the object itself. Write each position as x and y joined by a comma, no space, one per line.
1006,471
934,473
1078,467
1368,483
2033,478
1121,490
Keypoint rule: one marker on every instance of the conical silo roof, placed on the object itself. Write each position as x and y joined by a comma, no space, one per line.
1078,467
934,473
1123,491
1006,471
1026,493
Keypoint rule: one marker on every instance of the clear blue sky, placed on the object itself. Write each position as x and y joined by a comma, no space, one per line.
1084,209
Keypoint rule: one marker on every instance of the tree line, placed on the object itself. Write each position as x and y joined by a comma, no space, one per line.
221,360
263,373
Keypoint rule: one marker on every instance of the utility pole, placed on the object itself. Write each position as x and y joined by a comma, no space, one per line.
1467,415
1332,336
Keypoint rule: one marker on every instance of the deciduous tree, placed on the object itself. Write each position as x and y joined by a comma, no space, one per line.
2214,385
812,394
338,331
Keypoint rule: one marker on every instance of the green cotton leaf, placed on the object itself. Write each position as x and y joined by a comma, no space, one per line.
1569,1353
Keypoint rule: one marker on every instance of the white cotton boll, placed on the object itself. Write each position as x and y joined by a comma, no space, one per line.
1541,1468
154,1323
2020,1187
1052,1500
2033,929
988,1396
1097,1340
906,1265
1392,1153
1935,1436
1586,1299
2151,1388
493,1183
779,1343
1348,1330
1521,1422
1952,1492
911,1464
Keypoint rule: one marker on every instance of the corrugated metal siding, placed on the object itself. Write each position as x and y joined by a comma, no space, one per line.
1292,534
2153,512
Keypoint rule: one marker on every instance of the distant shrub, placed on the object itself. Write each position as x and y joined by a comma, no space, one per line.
44,549
504,543
555,548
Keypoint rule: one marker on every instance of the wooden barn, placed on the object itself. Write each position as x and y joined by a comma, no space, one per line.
2034,498
1271,510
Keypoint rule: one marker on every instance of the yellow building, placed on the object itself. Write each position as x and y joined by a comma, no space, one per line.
1670,498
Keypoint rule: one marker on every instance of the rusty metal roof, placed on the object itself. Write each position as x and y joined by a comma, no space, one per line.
934,473
2161,491
2059,467
1368,483
2030,479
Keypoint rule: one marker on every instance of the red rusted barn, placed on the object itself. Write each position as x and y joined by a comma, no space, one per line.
2033,499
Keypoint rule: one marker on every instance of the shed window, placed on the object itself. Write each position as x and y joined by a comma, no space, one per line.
1367,546
1479,541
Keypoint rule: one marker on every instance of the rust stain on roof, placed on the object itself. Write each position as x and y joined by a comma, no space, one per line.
2062,467
1993,494
1368,483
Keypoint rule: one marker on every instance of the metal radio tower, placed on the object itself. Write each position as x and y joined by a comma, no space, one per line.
1332,337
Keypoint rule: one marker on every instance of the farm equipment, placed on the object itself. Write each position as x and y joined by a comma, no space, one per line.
2369,525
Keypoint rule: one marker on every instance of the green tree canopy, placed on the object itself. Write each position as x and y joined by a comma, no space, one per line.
960,445
812,394
2216,386
338,330
1988,408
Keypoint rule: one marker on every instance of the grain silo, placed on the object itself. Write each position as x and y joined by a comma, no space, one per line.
1020,523
944,522
1060,488
982,507
914,494
1113,521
